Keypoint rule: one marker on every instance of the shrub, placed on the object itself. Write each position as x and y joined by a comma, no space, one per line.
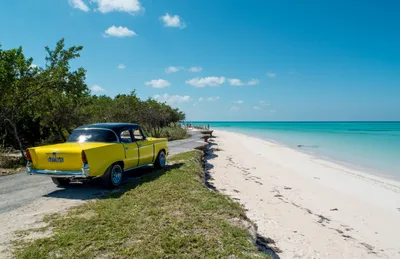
173,133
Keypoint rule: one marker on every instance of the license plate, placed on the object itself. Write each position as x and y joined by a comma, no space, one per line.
55,159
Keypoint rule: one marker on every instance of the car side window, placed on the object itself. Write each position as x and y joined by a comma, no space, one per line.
125,136
137,135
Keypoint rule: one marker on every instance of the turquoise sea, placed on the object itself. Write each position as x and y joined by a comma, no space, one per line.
373,147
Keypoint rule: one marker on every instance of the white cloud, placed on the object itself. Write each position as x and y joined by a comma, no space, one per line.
238,82
79,4
195,69
235,82
206,81
33,66
172,99
172,21
271,75
239,102
264,103
272,111
209,99
121,66
172,69
97,88
235,108
257,108
129,6
253,82
158,83
119,31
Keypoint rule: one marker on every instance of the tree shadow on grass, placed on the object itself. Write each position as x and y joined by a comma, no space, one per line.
92,189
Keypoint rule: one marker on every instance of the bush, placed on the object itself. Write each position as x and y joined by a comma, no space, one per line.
173,133
9,161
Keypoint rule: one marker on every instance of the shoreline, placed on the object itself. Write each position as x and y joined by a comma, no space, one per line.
348,167
310,207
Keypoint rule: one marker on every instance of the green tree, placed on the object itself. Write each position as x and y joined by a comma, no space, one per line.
43,104
50,92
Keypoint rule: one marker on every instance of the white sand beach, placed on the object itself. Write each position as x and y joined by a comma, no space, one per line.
311,208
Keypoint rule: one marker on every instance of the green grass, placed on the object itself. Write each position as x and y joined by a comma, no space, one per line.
167,214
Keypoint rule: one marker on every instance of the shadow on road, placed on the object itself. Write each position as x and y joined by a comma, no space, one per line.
92,189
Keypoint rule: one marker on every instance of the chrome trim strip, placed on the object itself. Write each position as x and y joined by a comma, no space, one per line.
147,145
84,173
86,170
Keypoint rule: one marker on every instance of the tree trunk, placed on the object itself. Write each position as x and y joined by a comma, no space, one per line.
4,138
21,148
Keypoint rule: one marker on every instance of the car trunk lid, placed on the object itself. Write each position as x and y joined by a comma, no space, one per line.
63,157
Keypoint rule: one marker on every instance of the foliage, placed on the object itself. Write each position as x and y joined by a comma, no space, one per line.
173,133
165,214
44,104
10,162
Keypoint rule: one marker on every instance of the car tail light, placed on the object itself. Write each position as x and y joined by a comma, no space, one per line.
84,158
28,155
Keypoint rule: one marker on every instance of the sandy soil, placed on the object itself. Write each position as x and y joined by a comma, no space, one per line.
311,208
29,217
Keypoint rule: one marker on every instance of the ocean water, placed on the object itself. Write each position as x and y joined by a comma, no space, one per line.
373,147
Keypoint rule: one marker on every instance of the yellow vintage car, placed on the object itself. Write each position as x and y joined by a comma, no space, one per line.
103,150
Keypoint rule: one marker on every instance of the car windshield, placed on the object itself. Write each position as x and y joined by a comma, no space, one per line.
92,135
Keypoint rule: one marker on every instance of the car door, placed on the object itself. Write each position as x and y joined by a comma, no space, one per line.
146,148
130,148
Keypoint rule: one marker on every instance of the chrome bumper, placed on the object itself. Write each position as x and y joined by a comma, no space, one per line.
84,173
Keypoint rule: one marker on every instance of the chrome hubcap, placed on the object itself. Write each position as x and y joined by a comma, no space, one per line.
163,159
116,174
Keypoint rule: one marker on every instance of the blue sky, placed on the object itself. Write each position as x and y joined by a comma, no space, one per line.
227,60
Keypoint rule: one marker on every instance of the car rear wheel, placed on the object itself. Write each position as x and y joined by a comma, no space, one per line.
60,181
113,176
161,161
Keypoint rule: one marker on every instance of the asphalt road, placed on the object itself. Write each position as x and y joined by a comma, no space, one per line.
21,189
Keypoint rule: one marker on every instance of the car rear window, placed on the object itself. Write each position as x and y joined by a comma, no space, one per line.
92,135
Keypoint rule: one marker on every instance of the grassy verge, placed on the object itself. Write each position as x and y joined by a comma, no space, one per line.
168,214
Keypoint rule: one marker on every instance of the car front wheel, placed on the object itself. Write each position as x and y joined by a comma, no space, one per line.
161,161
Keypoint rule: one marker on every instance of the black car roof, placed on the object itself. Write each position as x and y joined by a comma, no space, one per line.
113,126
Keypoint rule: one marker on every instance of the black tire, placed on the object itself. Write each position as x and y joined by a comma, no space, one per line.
161,161
113,176
60,181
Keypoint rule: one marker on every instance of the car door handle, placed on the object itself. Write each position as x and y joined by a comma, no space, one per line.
126,148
